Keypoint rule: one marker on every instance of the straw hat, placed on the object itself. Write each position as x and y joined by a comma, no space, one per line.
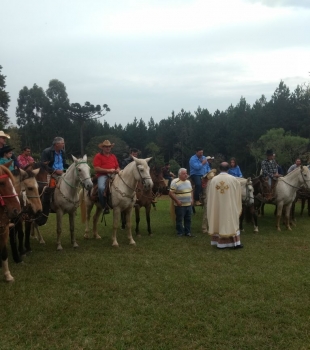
106,143
4,135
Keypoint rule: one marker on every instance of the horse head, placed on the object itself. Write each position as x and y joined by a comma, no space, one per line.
156,173
304,176
249,191
82,171
8,196
26,181
142,172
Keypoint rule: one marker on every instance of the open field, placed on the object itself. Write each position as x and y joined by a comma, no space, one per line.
164,293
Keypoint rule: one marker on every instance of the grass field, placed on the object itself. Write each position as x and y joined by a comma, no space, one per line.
164,293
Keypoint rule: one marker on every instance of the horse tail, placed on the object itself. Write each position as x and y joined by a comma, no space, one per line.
82,206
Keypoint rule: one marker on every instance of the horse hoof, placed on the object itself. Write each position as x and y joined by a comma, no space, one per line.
86,236
115,245
132,243
59,248
97,236
75,245
42,242
9,279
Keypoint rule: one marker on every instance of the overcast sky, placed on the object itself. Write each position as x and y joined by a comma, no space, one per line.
148,58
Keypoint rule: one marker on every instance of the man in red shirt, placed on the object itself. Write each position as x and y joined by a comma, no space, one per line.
105,163
25,158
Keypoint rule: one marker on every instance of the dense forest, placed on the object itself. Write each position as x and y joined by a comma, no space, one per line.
242,131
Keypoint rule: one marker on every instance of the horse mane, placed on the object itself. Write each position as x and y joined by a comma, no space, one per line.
6,171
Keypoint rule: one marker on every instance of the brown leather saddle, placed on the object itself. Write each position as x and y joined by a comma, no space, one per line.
93,193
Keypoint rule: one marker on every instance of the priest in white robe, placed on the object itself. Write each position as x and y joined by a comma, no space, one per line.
224,209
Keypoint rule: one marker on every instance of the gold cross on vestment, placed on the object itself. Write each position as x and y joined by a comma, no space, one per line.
222,187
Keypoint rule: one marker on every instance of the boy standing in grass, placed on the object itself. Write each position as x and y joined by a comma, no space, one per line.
181,193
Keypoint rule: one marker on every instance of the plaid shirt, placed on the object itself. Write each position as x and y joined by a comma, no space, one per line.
269,168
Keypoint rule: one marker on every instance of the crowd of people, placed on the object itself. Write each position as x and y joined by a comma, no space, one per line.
224,193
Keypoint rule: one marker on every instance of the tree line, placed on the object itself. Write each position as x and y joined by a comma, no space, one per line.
243,131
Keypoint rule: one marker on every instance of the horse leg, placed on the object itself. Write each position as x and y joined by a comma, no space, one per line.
35,227
72,233
27,236
128,225
308,206
59,215
241,219
20,235
137,214
13,244
148,218
88,214
95,222
254,219
116,218
287,216
279,214
4,254
123,220
303,202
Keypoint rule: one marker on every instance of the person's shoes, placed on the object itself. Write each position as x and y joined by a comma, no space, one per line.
197,203
189,235
238,246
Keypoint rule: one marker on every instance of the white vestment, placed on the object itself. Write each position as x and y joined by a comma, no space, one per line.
224,208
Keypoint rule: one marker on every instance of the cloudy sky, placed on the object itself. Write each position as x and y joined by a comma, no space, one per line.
146,58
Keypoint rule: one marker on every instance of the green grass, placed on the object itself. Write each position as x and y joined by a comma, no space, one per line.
164,293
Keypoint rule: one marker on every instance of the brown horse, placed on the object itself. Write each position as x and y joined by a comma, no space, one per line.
27,188
9,208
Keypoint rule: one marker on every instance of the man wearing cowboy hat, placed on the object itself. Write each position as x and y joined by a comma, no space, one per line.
105,163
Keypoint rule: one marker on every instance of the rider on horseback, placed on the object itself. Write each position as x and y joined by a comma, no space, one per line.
270,170
105,164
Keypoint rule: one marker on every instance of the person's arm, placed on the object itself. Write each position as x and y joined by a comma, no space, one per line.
239,172
174,198
196,164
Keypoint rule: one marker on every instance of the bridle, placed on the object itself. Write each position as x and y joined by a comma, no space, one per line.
77,174
2,202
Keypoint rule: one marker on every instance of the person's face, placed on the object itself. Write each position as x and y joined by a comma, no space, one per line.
232,163
2,140
199,153
134,154
60,145
106,149
298,162
270,157
27,152
8,155
183,175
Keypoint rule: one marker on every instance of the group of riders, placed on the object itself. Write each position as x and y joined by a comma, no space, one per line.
106,165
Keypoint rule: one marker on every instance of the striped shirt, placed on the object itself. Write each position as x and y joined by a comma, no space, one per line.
183,191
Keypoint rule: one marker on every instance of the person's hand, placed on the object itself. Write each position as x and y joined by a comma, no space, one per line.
204,161
179,203
58,172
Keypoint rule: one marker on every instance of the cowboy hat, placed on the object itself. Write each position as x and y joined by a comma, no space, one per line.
209,157
106,143
269,152
2,134
6,149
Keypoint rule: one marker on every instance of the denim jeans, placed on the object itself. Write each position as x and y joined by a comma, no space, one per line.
183,214
169,178
198,188
101,187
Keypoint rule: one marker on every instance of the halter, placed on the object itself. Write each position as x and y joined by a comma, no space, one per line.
142,178
77,174
2,203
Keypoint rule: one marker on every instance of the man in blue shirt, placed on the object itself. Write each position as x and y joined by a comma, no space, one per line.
199,166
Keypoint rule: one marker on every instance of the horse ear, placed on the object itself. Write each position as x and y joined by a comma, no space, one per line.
74,159
24,174
148,159
85,157
36,171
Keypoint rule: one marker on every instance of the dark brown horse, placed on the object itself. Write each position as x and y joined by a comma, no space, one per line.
27,188
145,198
9,208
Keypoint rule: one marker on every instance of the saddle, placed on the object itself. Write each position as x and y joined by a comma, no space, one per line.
93,193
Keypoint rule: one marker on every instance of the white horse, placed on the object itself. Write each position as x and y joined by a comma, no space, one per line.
286,189
123,193
66,199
